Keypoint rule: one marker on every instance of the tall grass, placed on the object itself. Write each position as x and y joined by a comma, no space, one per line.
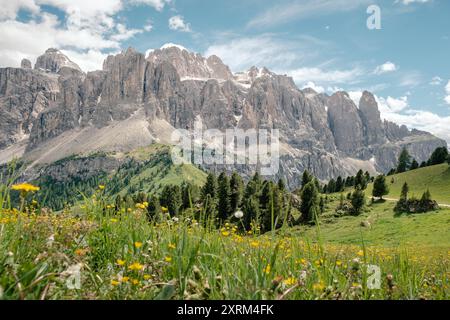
122,254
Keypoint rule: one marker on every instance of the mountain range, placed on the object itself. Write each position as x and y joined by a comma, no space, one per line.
54,110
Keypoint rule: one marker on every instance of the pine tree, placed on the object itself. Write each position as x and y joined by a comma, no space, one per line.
154,208
306,178
360,180
224,207
171,199
405,190
310,202
414,165
210,187
358,200
331,186
404,161
380,187
438,156
339,184
251,212
237,190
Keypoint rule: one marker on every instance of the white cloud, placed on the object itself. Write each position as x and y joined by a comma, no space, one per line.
447,91
385,68
313,86
408,2
123,33
435,81
355,96
149,26
422,120
177,23
397,110
392,105
324,76
264,50
157,4
9,9
88,61
88,31
300,9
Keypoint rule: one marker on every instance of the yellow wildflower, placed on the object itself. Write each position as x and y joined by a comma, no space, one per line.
113,220
254,244
225,233
125,279
172,246
25,187
360,253
101,187
138,244
147,276
115,282
135,281
319,286
120,262
290,281
136,266
267,269
168,259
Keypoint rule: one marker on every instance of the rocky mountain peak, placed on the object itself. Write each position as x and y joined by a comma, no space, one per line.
190,65
25,64
53,60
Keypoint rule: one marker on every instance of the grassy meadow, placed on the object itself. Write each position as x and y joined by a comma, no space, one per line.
100,252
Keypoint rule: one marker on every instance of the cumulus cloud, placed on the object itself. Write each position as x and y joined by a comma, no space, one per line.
447,91
435,81
392,105
89,29
398,111
385,68
177,23
313,86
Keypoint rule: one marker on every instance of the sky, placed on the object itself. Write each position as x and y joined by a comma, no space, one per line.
322,44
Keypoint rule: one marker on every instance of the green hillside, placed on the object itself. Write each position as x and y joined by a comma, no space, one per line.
435,178
387,230
430,229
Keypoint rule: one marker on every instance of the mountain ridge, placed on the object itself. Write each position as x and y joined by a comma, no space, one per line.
55,109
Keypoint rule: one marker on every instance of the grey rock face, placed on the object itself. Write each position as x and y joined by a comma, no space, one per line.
345,123
25,64
24,95
370,116
329,136
53,60
191,65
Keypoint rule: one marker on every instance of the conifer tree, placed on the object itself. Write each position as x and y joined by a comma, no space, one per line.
237,190
310,202
224,207
380,187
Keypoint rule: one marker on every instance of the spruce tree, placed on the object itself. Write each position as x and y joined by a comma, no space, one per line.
414,165
404,161
154,207
310,202
306,178
405,190
171,199
224,207
236,191
210,187
438,156
339,184
380,187
358,200
360,180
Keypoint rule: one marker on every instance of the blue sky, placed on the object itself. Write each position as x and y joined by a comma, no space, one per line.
324,44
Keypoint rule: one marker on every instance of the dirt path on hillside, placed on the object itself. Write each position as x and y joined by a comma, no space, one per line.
440,204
